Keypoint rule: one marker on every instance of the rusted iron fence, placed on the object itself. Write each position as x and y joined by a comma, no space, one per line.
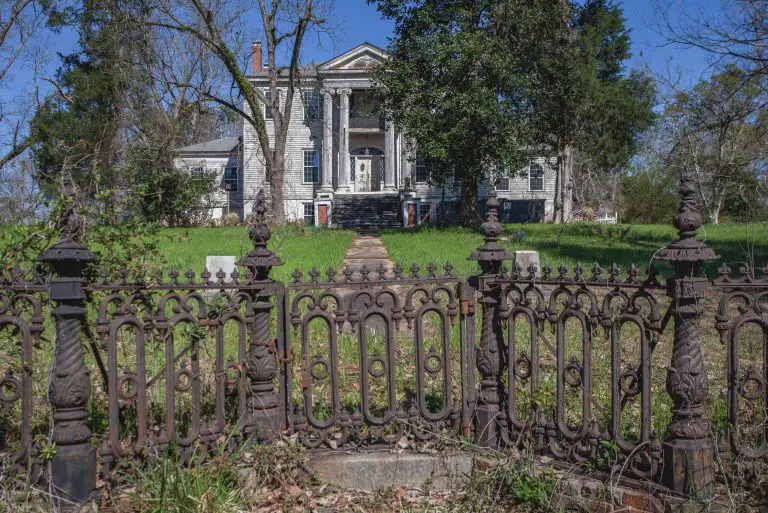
560,361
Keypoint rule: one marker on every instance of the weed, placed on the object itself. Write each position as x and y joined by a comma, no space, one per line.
509,484
171,487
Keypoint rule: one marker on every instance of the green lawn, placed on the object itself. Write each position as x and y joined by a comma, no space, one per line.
577,243
301,248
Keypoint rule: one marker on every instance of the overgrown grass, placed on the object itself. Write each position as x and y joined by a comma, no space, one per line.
583,243
298,246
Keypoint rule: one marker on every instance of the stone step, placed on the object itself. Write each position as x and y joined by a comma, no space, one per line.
366,211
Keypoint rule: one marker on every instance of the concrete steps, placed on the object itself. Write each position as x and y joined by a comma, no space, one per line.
367,211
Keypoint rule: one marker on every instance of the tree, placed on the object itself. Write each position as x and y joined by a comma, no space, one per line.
485,85
733,33
285,24
655,186
464,82
615,107
117,114
85,116
719,130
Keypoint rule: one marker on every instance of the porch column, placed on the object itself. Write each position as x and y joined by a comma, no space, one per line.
344,172
389,157
327,168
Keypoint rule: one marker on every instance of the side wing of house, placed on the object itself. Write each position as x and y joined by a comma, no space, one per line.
223,158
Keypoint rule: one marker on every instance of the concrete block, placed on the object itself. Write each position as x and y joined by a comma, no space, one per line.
524,259
384,470
225,263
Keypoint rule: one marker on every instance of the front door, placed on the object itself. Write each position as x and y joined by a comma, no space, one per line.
363,174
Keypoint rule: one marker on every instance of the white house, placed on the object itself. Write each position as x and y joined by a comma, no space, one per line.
346,166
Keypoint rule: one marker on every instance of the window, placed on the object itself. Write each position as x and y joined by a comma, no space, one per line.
311,166
420,169
268,98
312,105
501,180
230,179
309,214
425,212
197,173
536,178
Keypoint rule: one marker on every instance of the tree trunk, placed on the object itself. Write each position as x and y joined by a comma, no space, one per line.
714,215
277,187
468,202
563,186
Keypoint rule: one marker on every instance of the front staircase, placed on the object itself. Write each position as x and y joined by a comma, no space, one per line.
367,211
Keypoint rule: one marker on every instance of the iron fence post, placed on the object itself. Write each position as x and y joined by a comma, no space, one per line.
73,467
489,357
265,416
689,450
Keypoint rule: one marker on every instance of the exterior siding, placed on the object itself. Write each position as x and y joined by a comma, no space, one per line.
301,136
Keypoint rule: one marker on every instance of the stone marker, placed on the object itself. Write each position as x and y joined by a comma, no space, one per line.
225,263
523,260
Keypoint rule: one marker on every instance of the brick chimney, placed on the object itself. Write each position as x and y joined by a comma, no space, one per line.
256,57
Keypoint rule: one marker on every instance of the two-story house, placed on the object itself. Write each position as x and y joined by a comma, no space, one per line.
347,166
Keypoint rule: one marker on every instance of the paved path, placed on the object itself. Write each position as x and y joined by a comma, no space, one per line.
367,250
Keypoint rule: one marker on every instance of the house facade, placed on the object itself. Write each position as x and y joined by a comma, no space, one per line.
347,166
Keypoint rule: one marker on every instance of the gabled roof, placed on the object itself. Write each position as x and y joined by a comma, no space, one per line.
362,57
223,145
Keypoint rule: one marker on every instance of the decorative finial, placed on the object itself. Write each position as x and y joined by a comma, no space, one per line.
71,224
687,220
259,260
258,229
491,252
491,227
70,249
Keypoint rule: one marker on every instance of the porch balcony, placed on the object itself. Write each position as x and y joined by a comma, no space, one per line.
366,123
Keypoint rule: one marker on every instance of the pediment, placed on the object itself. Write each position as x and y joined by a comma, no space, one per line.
363,57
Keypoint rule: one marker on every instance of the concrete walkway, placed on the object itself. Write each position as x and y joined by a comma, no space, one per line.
367,250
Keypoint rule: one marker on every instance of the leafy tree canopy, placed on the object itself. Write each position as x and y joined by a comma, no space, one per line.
484,85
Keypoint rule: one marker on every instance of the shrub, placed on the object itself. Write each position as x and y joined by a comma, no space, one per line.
588,214
230,219
648,197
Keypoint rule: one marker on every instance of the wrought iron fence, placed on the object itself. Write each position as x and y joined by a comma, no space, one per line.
565,362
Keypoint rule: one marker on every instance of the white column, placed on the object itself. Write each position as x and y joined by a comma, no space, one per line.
389,157
327,167
344,172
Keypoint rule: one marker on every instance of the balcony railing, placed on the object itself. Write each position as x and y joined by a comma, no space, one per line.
367,122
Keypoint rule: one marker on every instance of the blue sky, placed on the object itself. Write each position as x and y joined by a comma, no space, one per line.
359,22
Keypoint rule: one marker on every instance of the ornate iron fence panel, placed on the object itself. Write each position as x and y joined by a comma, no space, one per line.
742,321
176,356
572,416
380,355
24,412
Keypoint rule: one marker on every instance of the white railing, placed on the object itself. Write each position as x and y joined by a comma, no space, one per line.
608,219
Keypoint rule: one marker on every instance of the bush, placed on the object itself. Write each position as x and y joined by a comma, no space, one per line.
230,219
648,197
588,214
174,198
